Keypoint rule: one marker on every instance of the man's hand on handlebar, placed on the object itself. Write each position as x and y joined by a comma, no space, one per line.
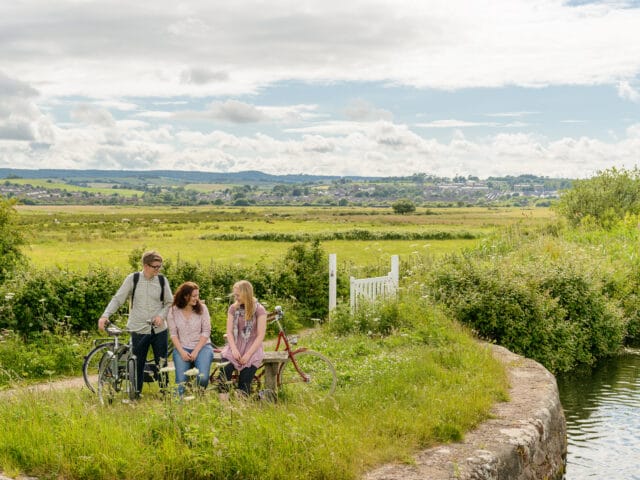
102,323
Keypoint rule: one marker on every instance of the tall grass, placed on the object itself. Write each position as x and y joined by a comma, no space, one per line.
414,388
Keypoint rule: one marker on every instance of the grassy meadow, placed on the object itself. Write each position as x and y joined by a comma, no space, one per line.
396,394
74,237
409,377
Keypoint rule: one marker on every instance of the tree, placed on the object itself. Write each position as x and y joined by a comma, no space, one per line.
11,239
403,206
603,199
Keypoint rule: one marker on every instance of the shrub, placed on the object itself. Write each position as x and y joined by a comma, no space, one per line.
381,317
37,300
603,199
11,239
552,305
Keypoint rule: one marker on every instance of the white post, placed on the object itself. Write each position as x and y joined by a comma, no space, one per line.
395,271
333,274
352,293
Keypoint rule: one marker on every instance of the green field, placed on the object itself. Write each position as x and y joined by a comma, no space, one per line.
97,188
75,237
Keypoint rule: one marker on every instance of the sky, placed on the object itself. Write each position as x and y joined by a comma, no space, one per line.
376,88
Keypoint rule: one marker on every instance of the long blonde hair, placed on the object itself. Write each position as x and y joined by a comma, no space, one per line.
245,292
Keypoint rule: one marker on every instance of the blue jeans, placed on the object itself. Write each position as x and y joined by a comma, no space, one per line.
202,363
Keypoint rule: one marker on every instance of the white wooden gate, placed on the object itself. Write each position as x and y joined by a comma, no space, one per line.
371,288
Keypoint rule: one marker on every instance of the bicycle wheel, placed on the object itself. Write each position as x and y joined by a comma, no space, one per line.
107,378
315,374
130,383
91,365
113,377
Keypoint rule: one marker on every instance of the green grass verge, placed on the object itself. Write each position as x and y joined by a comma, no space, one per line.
396,394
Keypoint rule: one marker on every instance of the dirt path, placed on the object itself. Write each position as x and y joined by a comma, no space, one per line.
73,382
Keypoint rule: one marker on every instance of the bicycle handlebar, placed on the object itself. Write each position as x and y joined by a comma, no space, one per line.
277,314
113,330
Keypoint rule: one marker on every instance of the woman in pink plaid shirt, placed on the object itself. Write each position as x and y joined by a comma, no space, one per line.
190,328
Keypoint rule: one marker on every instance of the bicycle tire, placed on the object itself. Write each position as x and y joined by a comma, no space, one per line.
91,365
319,375
106,379
113,377
131,383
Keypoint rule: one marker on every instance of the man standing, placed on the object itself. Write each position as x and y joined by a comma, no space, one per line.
150,300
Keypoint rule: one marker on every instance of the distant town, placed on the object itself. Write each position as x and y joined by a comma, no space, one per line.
87,187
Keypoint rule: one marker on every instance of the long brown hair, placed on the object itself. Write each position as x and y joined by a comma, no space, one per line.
182,296
245,290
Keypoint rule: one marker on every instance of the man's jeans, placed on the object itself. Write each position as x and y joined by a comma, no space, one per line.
202,363
158,343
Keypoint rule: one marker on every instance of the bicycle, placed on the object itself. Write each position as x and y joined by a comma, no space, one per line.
304,371
117,369
91,363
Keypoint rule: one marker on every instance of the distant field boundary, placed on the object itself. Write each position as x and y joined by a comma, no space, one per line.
348,235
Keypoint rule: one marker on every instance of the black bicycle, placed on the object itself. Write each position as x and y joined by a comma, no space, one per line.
117,370
92,361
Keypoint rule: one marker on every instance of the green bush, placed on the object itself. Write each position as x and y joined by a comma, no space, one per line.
11,239
47,355
36,300
381,317
603,199
541,301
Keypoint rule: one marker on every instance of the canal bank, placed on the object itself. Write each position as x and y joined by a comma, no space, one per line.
524,440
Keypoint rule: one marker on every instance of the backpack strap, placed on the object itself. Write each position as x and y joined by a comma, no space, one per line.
161,280
136,279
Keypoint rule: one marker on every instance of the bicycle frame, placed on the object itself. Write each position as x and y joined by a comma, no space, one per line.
284,339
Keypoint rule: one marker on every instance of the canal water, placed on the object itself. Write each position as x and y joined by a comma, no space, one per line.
602,408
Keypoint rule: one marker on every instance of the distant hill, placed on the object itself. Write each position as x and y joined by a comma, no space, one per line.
251,176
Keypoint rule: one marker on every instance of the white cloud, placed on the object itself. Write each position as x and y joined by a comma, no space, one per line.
225,86
360,110
93,116
235,112
210,47
626,91
451,123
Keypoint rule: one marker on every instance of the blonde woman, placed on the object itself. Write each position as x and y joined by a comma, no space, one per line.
246,327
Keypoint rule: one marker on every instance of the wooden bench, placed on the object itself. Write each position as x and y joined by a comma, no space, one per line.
272,361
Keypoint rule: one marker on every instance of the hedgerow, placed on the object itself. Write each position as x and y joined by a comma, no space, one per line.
37,300
545,298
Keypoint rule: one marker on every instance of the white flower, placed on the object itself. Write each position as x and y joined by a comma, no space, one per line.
192,372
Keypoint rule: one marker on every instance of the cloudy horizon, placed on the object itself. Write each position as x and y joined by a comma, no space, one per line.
375,88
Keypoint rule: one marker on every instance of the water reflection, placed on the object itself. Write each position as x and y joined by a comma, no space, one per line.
602,407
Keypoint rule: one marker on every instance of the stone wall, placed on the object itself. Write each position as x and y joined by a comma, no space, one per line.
524,440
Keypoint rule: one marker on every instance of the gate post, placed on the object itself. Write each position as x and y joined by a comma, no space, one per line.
333,274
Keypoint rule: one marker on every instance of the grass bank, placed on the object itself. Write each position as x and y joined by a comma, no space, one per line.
421,385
